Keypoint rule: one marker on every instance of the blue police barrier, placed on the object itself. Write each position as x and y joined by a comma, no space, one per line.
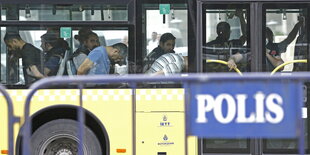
253,109
217,105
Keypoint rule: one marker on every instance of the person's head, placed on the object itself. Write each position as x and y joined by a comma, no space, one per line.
91,41
223,30
50,40
54,30
154,36
118,53
167,42
269,35
13,41
81,36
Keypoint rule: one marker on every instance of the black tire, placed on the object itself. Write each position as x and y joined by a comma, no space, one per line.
61,137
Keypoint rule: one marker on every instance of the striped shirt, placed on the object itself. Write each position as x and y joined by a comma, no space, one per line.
170,63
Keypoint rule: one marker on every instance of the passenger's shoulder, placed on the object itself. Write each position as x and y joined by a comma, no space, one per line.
30,47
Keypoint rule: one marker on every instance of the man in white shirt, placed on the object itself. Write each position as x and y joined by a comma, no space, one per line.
153,43
167,64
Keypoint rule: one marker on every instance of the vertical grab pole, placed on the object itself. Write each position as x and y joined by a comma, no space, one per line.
301,138
186,108
133,87
81,120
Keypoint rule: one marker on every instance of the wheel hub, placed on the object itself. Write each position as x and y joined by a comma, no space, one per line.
64,152
60,145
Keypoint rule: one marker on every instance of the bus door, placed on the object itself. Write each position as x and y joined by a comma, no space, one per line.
286,43
157,18
225,39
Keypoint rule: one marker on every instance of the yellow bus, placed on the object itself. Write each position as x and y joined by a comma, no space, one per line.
150,118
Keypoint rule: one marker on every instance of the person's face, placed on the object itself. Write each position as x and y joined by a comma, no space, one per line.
44,45
269,37
92,42
225,34
116,56
12,45
154,36
168,46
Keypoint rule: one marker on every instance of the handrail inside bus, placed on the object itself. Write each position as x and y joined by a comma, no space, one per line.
225,63
288,62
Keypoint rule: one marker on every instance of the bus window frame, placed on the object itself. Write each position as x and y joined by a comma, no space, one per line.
221,5
141,30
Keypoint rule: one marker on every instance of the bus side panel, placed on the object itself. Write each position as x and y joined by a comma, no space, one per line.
113,107
161,122
4,124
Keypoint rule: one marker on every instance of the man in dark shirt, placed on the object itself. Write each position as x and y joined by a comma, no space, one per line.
224,49
31,56
166,45
54,48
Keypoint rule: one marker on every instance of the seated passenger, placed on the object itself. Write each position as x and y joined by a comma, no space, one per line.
166,45
80,37
54,49
99,59
90,42
222,48
31,56
167,64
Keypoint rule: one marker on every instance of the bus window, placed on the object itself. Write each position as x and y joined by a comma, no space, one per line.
285,38
108,38
174,23
226,37
43,12
12,62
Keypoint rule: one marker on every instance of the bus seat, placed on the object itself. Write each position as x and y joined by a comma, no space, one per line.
62,65
71,70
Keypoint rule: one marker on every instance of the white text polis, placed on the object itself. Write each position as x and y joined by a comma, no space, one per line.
268,108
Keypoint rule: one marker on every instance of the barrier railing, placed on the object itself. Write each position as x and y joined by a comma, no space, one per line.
217,82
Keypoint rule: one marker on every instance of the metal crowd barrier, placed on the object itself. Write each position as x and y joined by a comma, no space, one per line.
132,80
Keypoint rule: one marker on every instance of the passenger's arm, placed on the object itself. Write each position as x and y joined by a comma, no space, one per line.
161,72
46,71
233,60
274,60
85,67
33,71
291,36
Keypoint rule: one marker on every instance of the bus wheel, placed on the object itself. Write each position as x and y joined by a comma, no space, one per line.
60,137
